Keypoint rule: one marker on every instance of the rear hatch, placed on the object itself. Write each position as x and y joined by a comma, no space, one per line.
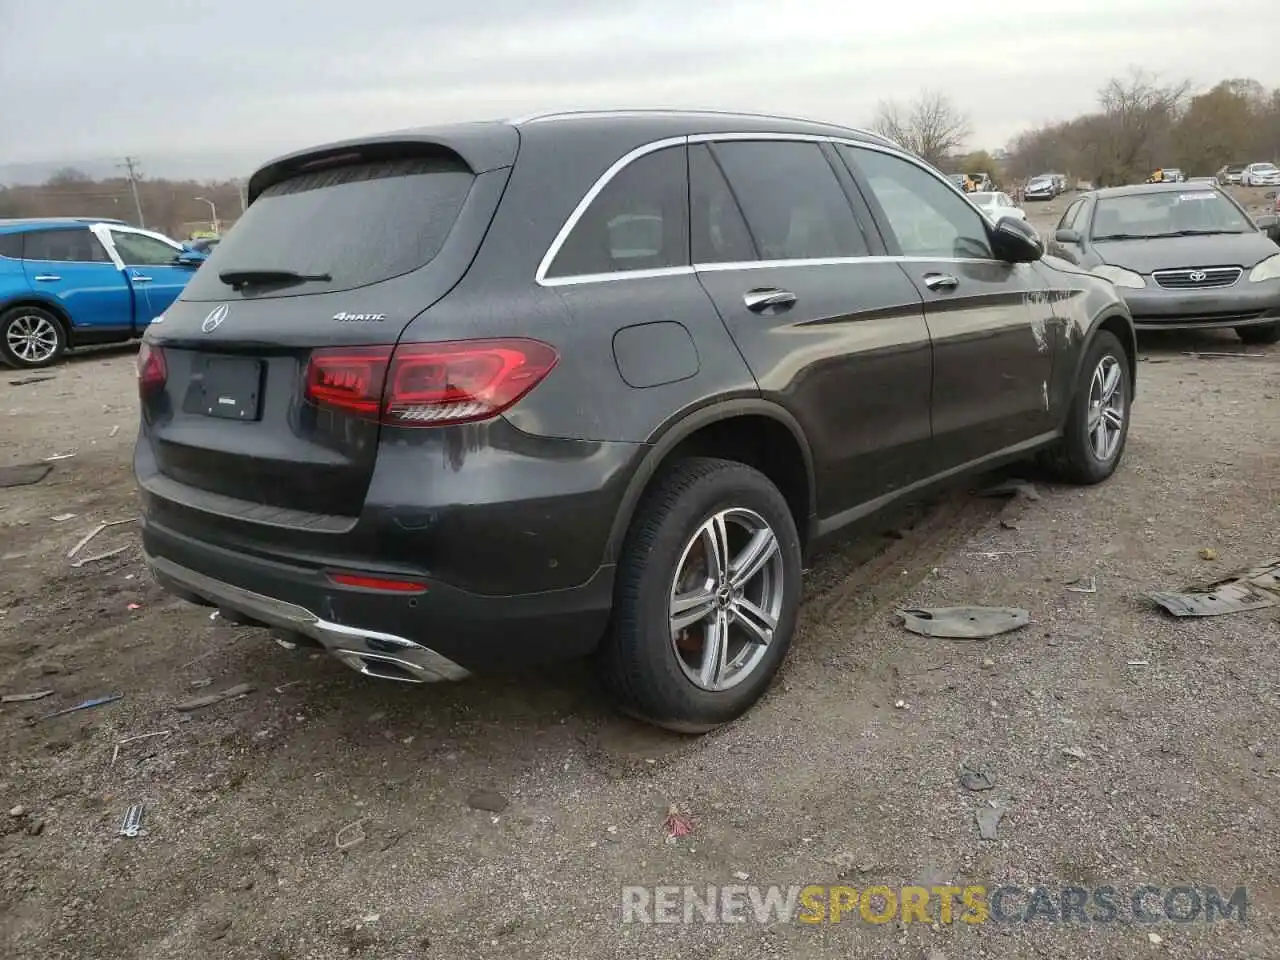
260,386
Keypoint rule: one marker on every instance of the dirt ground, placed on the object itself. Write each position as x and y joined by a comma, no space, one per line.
1126,747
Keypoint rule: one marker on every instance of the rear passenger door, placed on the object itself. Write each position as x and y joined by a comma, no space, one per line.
989,320
787,253
70,264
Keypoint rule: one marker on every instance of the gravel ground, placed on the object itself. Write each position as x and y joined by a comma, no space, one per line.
1125,746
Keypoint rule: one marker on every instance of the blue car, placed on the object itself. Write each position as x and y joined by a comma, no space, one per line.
69,282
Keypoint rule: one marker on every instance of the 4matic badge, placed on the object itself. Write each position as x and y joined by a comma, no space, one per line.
359,317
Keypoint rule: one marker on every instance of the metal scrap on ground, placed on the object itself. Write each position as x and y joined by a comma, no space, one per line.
1013,488
964,623
239,690
93,533
1252,589
85,705
25,697
23,474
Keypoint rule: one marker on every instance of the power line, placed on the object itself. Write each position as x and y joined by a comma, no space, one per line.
129,164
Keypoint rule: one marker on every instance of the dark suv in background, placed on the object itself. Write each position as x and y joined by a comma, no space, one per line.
496,393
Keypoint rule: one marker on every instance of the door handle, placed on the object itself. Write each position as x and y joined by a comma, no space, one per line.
46,277
765,298
940,281
139,278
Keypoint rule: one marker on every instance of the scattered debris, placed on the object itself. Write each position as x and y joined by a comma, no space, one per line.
285,686
215,615
1204,355
59,456
370,917
1153,359
490,800
93,533
86,705
994,554
1155,938
676,824
1008,525
23,474
1208,553
989,821
131,826
1081,585
115,755
18,812
350,836
114,430
1012,488
26,381
1251,589
964,623
25,697
99,556
901,705
741,875
1138,663
1075,753
975,780
62,517
206,682
286,644
209,699
133,606
988,663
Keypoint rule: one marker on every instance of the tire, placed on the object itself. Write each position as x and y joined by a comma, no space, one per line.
31,337
1261,334
649,668
1076,458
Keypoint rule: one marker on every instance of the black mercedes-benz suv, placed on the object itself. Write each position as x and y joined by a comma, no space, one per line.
497,393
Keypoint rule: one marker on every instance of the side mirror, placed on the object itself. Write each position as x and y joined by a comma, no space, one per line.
1270,225
1066,236
1016,241
191,258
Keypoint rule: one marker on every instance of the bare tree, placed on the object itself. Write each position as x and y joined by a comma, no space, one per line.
1140,113
930,126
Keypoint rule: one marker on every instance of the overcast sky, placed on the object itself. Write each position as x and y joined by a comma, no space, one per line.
246,79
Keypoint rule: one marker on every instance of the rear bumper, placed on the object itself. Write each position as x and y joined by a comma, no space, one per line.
442,634
1242,305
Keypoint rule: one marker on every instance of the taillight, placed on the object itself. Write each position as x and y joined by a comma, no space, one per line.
366,582
428,384
152,369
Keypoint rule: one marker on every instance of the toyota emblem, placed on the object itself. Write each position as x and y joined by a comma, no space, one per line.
215,318
1197,276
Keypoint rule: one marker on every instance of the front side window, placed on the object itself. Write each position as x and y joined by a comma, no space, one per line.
72,245
926,216
1069,217
139,250
791,199
639,221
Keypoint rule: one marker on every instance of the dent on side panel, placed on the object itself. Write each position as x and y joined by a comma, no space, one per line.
1070,311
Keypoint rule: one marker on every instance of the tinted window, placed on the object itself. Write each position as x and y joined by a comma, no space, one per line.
927,217
360,223
11,245
76,245
639,221
139,250
1165,212
719,234
791,199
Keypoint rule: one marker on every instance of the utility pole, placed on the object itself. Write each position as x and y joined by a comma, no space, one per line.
130,164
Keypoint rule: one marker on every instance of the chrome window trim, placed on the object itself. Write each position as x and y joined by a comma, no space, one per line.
540,275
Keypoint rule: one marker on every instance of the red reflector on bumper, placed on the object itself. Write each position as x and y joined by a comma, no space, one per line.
365,582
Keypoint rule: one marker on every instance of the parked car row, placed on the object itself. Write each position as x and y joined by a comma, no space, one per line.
1261,174
674,351
68,282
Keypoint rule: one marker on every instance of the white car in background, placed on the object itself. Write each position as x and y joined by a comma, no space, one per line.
996,205
1260,175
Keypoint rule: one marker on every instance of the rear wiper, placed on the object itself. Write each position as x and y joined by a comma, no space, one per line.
243,278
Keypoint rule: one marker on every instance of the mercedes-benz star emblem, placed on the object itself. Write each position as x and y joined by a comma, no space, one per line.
1197,276
215,318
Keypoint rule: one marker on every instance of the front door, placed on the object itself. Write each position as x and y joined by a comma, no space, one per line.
70,264
830,330
149,264
992,344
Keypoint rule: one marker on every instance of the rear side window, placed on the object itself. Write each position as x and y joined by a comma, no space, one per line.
76,245
718,232
360,224
639,221
791,199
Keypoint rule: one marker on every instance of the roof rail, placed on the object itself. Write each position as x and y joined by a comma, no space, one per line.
678,112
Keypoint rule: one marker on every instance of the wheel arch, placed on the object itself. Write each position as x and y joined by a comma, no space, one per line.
49,306
1117,322
748,430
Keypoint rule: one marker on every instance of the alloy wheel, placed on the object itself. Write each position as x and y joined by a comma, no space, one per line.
1106,408
32,338
726,599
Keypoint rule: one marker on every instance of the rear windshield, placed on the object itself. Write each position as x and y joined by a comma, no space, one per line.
1167,213
359,224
